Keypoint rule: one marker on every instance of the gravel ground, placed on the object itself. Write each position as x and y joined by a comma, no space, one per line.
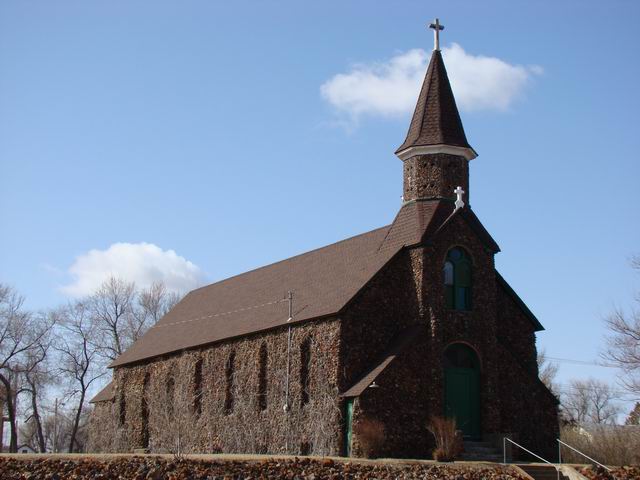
158,468
617,473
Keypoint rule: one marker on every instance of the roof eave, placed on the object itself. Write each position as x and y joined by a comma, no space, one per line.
415,150
523,306
127,363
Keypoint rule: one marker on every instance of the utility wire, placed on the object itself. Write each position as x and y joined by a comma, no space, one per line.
580,362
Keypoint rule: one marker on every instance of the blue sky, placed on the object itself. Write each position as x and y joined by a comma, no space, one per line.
201,127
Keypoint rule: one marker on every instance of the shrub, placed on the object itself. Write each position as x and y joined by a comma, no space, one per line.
609,445
371,436
448,439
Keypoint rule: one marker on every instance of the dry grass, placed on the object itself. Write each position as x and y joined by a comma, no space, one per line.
448,441
371,437
608,445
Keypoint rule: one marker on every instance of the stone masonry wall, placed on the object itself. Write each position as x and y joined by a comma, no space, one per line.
435,176
253,423
516,331
476,327
530,410
410,291
387,306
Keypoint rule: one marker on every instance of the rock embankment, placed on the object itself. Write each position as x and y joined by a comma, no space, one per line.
157,468
616,473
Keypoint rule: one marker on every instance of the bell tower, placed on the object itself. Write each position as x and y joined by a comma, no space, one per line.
435,153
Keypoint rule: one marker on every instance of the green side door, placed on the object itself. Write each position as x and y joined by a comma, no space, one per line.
348,426
462,399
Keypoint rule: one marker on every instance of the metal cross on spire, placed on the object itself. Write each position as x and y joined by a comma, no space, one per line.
459,201
436,33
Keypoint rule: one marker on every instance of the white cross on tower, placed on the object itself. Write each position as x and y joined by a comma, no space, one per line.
459,202
436,33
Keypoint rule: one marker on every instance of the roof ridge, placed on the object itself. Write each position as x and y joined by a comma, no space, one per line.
288,258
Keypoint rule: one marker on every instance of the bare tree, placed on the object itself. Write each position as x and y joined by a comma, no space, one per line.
122,313
111,307
20,332
36,376
547,371
623,342
590,401
57,426
154,303
79,357
28,435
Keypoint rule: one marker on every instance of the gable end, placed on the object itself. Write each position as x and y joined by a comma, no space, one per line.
537,326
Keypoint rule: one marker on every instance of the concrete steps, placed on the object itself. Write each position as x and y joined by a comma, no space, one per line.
480,451
541,472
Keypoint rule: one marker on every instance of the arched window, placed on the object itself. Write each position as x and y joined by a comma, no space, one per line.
305,366
459,355
229,373
457,279
197,388
262,378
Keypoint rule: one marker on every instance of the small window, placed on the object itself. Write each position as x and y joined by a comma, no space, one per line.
305,367
457,279
197,388
262,378
229,375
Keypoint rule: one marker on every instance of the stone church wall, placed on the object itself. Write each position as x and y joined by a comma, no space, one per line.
387,306
251,422
434,176
529,409
476,327
410,291
516,331
101,427
400,403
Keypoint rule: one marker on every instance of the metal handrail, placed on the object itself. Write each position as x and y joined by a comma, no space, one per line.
577,451
504,453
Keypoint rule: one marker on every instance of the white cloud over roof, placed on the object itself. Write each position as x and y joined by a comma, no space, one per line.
142,263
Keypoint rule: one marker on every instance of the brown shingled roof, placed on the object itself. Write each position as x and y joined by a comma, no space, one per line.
436,120
105,394
415,221
322,281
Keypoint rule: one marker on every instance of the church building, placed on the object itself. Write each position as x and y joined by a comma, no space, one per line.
397,325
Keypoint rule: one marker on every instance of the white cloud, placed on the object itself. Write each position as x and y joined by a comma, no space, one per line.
391,88
142,263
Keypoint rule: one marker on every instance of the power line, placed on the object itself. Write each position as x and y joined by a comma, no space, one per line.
571,388
580,362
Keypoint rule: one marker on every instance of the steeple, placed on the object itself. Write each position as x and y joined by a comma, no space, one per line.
436,121
436,152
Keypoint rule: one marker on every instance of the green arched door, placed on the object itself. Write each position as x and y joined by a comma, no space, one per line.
462,389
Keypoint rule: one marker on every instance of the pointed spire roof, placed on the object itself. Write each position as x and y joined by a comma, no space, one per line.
436,122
